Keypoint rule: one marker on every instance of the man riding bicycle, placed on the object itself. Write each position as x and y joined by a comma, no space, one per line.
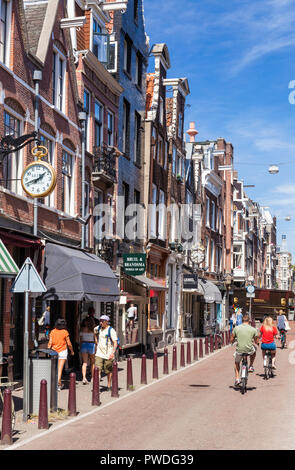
281,323
244,334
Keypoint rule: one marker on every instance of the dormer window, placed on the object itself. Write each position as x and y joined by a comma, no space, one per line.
100,43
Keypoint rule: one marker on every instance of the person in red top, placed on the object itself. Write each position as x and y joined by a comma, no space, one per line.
268,333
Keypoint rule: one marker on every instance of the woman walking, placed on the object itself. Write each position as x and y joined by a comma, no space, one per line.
87,346
59,341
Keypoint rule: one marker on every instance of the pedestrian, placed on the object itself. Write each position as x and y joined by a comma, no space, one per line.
107,341
91,314
239,319
232,321
282,323
131,315
268,333
47,321
59,341
87,339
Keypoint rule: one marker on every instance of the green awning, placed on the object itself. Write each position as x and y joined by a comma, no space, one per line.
8,268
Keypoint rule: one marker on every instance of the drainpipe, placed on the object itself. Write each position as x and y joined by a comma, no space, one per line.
82,119
37,77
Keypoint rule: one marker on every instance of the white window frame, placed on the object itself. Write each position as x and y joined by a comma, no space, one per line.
70,197
115,69
59,56
208,211
111,136
213,216
161,110
88,121
153,219
17,158
162,219
102,123
6,60
212,247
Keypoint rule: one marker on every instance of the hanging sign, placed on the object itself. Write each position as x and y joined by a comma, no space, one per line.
134,263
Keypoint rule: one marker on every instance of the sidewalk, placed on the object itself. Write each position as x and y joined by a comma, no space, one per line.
24,431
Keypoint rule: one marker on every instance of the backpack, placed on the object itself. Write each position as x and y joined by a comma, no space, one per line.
108,336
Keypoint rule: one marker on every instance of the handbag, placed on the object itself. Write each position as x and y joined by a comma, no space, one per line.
41,319
287,325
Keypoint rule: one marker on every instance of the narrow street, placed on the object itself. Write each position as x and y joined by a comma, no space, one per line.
197,408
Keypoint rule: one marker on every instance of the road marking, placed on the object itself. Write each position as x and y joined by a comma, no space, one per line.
98,409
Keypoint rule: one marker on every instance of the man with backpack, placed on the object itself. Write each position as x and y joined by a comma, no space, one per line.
106,340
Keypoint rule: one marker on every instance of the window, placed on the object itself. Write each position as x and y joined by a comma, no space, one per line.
126,127
100,43
137,202
126,200
161,151
137,139
110,129
213,216
5,7
154,143
162,219
49,200
127,55
153,230
138,73
180,124
98,215
12,164
67,183
237,257
87,111
58,80
98,124
212,269
161,110
207,211
174,161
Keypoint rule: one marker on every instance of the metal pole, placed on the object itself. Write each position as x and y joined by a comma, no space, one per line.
250,309
37,76
26,353
82,118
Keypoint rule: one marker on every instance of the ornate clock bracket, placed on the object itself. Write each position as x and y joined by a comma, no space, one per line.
9,144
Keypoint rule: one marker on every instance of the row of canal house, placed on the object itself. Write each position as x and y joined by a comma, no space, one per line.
128,182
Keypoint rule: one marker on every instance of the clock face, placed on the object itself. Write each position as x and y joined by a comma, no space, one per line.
38,179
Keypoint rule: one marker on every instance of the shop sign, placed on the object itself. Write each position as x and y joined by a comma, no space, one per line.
190,281
134,263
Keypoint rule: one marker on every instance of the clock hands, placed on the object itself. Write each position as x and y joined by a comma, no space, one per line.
36,179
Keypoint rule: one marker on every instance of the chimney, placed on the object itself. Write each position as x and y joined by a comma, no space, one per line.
192,132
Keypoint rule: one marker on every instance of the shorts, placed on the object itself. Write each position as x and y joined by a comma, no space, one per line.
105,365
63,354
88,348
238,356
271,346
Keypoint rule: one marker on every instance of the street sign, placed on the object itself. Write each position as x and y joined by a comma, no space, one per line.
252,296
250,289
190,281
134,263
28,279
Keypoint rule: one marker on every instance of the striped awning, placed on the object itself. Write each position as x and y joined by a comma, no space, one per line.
8,268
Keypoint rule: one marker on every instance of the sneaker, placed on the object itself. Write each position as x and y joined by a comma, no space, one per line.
237,382
85,382
60,387
251,369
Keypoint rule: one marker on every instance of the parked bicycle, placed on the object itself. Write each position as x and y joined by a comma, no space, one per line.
267,363
4,384
217,337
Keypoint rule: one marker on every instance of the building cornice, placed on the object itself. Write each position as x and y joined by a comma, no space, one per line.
101,72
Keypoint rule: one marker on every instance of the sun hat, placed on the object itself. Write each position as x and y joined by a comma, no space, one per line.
105,317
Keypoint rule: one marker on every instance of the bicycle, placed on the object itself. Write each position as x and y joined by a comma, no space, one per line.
267,363
4,384
217,335
244,369
283,338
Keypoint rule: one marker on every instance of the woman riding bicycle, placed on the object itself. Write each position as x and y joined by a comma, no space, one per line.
268,333
281,323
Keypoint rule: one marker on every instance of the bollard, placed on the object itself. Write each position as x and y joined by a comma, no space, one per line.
174,358
228,337
43,408
115,387
223,339
165,366
206,346
211,343
188,353
201,348
143,370
6,434
155,366
129,374
195,349
95,388
216,343
182,360
72,395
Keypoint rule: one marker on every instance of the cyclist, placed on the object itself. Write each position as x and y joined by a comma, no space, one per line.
268,333
281,323
244,334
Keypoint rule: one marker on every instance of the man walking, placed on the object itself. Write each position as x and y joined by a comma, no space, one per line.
131,315
244,334
106,344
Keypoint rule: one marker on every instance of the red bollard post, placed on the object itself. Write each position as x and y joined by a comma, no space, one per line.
211,343
188,353
201,348
43,408
155,366
129,374
223,339
115,386
143,370
195,349
216,343
174,358
95,388
165,366
6,434
206,346
72,395
182,360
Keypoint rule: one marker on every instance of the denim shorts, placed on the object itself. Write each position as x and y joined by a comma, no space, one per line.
271,346
88,348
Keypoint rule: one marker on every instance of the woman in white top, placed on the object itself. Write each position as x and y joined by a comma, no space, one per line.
87,346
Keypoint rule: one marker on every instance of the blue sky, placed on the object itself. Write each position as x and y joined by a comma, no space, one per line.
238,57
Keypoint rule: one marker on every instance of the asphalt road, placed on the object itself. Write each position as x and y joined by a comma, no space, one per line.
197,408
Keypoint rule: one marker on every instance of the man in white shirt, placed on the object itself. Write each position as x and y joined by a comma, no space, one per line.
131,315
106,340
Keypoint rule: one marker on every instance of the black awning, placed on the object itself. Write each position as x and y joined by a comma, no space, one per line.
71,274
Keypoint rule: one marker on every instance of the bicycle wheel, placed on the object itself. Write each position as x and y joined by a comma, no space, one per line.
266,372
243,385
